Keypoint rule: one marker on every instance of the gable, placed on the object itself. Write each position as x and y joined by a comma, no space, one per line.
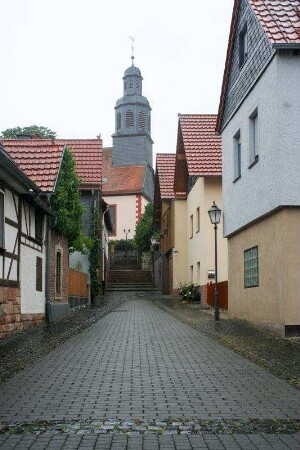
238,80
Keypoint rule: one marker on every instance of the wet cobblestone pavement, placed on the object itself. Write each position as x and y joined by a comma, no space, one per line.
278,355
129,375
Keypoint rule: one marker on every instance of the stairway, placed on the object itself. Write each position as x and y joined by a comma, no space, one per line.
129,280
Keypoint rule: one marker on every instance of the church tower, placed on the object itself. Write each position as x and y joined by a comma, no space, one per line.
132,143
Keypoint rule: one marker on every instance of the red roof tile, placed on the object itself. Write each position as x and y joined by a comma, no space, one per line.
88,157
39,159
202,145
279,18
121,179
165,171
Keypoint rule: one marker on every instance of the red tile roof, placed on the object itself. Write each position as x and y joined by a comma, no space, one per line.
39,159
165,171
88,157
120,180
202,145
279,18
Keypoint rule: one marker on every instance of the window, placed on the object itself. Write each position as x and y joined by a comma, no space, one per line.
58,273
119,118
198,219
39,226
243,46
253,137
39,274
198,272
129,118
130,84
142,119
2,219
113,219
251,267
191,225
191,273
237,155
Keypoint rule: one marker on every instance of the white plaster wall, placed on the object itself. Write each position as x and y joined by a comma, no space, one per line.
275,179
32,301
126,213
10,210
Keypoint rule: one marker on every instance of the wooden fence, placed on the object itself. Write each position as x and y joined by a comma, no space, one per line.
78,291
222,291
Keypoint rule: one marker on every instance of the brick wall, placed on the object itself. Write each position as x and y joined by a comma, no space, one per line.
60,243
11,319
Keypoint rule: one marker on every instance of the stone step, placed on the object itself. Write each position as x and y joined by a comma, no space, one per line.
129,276
131,288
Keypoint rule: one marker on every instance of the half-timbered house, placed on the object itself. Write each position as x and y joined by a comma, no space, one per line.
22,249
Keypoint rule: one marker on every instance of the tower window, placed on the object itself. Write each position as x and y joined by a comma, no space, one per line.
129,118
119,118
142,119
137,84
130,84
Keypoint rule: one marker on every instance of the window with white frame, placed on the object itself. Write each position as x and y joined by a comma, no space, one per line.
253,137
2,219
198,272
237,155
251,276
191,273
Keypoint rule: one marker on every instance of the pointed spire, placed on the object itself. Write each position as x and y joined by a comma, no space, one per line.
132,49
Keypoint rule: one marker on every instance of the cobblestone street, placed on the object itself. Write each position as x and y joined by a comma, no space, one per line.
140,378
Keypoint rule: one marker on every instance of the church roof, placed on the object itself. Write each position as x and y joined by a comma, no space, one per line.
132,70
165,172
120,180
132,99
202,145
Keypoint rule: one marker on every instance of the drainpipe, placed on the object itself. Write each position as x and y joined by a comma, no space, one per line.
47,275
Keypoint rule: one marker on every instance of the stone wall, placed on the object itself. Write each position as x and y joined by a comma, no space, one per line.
11,319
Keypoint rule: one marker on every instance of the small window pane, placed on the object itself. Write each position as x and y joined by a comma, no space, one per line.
251,267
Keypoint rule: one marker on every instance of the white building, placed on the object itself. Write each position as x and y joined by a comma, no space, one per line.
259,117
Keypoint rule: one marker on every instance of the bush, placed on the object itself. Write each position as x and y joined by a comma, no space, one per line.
189,291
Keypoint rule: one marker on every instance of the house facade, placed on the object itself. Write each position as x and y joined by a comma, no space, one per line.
258,119
170,221
41,159
23,234
198,180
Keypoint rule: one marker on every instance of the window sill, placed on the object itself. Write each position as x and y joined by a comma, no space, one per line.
254,162
236,179
250,287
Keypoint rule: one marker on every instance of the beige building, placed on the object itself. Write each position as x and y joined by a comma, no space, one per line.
186,184
259,118
198,180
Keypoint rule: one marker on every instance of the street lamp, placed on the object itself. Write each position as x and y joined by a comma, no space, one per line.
126,233
215,216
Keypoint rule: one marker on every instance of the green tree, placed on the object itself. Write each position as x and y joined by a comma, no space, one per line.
144,229
66,204
42,132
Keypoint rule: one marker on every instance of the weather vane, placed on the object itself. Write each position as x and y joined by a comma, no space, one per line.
132,48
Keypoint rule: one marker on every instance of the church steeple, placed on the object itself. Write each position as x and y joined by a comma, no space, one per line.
132,143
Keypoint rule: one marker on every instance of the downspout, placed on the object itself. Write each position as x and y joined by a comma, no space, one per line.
47,275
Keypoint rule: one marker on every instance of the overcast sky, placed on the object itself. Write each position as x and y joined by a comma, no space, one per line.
62,62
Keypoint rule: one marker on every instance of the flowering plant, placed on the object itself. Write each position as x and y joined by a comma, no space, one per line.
189,291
